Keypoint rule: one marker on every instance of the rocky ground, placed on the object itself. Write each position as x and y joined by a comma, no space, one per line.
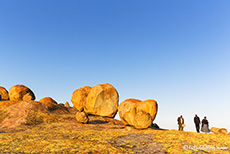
105,135
45,126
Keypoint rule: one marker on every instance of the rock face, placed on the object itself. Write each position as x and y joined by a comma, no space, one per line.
49,103
223,131
215,130
79,97
139,114
102,100
21,92
3,94
82,117
219,130
67,104
18,113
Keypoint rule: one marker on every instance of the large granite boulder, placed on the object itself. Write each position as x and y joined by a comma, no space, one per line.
3,94
102,100
139,114
21,92
79,97
49,103
82,117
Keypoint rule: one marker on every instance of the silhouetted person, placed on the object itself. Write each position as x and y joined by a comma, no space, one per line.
197,123
180,121
205,125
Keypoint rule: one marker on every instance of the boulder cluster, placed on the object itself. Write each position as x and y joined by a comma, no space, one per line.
18,106
102,100
219,130
99,100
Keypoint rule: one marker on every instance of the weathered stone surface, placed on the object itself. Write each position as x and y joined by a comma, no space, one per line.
3,94
223,131
21,92
139,114
82,117
18,113
5,104
49,103
79,97
219,130
102,100
215,130
67,104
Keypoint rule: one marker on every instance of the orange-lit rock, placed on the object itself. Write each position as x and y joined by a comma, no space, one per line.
67,104
139,114
102,100
82,117
49,103
3,94
79,97
21,92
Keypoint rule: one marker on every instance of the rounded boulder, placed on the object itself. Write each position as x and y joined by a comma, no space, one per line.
223,131
49,103
82,117
137,113
21,92
79,97
102,100
215,130
3,94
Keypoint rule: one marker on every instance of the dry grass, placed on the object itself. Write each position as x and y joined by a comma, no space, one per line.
3,114
70,137
36,117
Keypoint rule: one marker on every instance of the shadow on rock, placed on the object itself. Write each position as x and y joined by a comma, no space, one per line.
98,122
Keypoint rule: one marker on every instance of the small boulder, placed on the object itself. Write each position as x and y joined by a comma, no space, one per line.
102,100
219,130
223,131
82,117
139,114
67,104
49,103
3,94
61,105
215,130
155,126
21,92
79,97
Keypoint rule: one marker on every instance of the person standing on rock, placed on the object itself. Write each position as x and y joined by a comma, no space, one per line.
205,125
180,121
197,123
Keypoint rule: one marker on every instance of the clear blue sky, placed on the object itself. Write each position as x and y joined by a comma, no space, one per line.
176,52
